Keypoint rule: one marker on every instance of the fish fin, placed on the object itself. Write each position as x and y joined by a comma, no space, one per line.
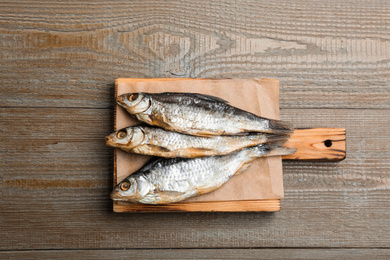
277,148
195,152
176,95
156,148
280,127
160,122
205,133
209,98
168,192
203,190
270,149
128,150
280,139
153,150
166,197
243,168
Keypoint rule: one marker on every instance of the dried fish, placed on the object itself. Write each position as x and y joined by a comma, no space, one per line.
159,142
172,180
196,114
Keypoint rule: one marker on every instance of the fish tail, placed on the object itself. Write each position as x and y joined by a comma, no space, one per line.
280,139
269,149
277,148
280,127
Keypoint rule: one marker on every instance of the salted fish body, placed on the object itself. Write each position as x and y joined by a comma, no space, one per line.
172,180
159,142
196,114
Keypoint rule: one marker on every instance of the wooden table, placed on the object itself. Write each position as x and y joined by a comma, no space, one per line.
58,63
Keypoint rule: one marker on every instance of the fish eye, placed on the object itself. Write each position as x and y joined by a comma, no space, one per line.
125,186
133,97
121,134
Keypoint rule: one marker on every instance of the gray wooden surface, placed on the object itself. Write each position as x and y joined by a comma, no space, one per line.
58,62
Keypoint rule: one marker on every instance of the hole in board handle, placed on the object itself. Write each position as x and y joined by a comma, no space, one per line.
328,143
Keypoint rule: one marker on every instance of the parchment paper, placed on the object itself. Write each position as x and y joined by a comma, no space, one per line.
263,180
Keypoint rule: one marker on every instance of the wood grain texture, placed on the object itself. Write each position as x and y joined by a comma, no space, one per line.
327,54
218,206
319,144
274,253
58,62
56,179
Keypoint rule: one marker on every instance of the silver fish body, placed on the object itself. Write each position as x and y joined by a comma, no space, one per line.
196,114
172,180
159,142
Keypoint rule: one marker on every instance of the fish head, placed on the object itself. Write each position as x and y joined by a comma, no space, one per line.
128,137
131,189
134,103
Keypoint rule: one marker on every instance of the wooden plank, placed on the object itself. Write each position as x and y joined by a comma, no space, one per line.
262,201
274,253
328,57
326,144
312,144
56,179
71,219
218,206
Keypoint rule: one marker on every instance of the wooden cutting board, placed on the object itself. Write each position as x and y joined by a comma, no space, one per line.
317,144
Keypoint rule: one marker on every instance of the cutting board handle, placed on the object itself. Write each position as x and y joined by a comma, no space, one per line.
318,144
